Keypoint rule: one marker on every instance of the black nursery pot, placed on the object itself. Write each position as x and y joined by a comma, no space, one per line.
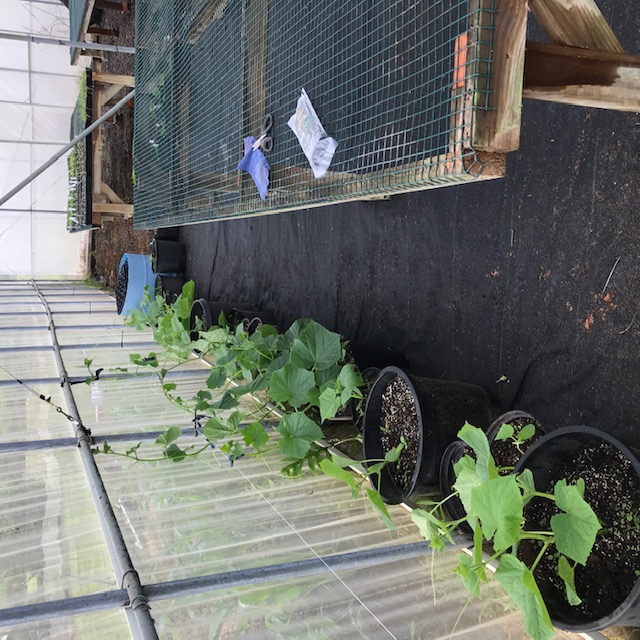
366,358
453,507
169,287
235,313
442,408
168,233
168,256
546,459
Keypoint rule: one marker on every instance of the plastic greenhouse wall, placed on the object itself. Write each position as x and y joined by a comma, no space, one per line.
216,552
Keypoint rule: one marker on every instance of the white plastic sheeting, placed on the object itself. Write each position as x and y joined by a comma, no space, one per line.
51,546
38,91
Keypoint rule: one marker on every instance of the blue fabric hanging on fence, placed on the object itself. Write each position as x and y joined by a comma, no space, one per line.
256,165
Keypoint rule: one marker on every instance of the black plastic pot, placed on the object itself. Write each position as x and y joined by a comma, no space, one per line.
366,358
369,376
168,233
170,287
235,313
507,418
168,256
546,459
442,409
453,507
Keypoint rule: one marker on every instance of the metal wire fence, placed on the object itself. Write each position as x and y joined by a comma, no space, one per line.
396,84
79,161
77,11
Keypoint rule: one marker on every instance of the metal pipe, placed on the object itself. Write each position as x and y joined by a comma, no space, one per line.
285,571
70,145
189,373
80,345
92,46
56,443
138,612
67,607
203,584
77,327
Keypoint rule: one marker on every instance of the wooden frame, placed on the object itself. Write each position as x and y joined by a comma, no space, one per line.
586,64
105,199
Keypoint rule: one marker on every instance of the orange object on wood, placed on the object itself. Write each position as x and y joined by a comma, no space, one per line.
460,62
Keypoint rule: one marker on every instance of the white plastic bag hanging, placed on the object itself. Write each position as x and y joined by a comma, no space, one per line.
316,143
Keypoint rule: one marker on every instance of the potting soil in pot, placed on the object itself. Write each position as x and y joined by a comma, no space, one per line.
399,418
121,286
505,453
612,489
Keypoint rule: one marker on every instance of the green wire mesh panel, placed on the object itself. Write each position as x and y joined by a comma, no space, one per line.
77,11
79,161
396,84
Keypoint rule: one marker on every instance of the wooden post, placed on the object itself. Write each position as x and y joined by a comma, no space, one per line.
125,210
575,23
497,122
112,78
99,31
582,77
255,33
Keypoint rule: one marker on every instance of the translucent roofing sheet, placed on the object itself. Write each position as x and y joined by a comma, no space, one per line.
25,337
392,600
15,318
89,306
105,625
131,405
103,334
24,417
30,364
51,546
199,516
99,318
104,357
13,305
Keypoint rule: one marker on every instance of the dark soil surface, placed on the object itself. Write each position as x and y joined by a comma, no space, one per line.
399,419
612,489
112,241
506,453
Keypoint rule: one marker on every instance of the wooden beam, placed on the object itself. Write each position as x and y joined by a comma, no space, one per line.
582,77
125,210
108,93
212,11
575,23
496,126
86,19
112,78
255,35
111,194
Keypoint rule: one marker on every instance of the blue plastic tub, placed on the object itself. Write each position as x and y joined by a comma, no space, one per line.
141,275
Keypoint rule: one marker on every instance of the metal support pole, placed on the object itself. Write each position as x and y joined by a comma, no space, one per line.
89,46
81,136
214,582
60,443
80,345
138,612
123,375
